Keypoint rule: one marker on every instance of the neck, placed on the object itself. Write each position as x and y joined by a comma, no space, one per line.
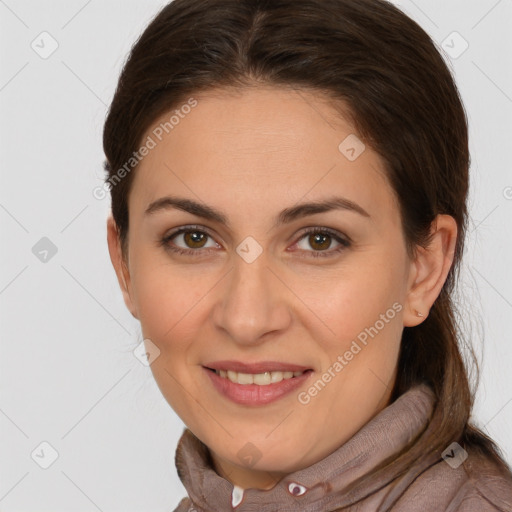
245,477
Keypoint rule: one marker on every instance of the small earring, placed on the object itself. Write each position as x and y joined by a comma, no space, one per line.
419,314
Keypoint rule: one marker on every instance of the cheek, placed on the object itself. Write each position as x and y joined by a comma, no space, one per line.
166,296
169,301
346,302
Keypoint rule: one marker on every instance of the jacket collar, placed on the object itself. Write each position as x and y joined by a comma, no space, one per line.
322,484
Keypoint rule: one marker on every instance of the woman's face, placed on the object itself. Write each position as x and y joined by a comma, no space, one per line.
254,286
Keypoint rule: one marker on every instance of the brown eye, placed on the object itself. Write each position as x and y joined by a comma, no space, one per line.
190,241
195,239
319,241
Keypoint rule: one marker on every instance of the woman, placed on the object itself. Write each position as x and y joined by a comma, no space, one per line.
289,183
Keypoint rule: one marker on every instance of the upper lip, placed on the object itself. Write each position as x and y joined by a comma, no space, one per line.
259,367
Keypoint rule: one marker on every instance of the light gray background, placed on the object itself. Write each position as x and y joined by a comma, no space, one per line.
68,376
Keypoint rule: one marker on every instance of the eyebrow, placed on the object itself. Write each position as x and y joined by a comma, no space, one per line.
286,216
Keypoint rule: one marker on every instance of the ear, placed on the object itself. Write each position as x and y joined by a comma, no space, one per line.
430,269
120,265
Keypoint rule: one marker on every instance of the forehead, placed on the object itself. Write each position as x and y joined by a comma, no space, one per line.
258,147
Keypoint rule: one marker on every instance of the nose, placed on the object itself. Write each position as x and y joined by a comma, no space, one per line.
252,303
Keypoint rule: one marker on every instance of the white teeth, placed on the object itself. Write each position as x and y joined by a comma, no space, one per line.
262,379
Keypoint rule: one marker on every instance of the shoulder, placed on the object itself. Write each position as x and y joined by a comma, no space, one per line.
185,505
488,487
476,485
475,502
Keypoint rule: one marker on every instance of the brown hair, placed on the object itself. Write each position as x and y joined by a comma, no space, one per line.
401,99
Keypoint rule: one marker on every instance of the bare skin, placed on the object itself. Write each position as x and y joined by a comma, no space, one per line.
250,155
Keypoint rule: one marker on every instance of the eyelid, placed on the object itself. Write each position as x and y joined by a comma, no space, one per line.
324,229
344,240
188,227
184,229
302,232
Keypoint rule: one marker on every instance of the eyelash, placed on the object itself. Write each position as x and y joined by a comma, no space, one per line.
344,242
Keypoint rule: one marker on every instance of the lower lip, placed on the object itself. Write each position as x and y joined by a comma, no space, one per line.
254,394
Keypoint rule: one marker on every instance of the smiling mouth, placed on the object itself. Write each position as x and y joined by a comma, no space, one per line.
260,379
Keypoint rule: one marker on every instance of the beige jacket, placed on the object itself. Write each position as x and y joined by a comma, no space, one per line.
455,483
